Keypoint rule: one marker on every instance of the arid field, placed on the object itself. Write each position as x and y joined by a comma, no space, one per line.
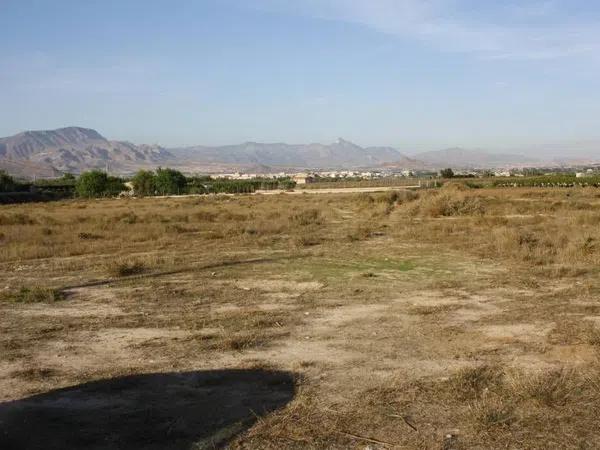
452,318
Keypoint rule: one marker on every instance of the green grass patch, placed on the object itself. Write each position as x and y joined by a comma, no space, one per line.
328,268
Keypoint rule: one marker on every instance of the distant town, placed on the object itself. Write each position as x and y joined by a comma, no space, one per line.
340,175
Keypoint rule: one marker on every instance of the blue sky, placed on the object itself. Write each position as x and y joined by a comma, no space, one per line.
413,74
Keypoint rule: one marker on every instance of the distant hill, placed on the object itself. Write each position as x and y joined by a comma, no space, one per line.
462,158
49,153
340,154
28,170
74,150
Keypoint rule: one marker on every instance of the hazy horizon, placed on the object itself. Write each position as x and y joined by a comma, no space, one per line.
547,151
520,77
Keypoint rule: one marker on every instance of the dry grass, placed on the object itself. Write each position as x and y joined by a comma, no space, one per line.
447,204
32,295
456,318
126,268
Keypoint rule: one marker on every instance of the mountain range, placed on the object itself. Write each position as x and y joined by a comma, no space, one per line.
75,149
463,158
340,154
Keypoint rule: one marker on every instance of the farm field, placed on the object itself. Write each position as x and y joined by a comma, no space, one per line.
450,318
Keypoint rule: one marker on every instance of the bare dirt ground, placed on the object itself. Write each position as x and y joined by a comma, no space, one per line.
346,190
451,319
301,191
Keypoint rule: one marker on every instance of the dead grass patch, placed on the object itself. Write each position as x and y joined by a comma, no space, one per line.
33,295
473,382
307,217
446,204
125,268
575,331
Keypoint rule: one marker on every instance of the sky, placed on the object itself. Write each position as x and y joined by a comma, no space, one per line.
416,75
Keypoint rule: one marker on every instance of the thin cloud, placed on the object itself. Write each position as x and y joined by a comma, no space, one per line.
529,30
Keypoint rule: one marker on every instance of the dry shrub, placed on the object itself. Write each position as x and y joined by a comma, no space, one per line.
177,228
501,409
124,268
205,216
588,218
306,240
179,218
489,414
215,235
33,295
404,196
575,332
543,245
262,228
364,199
247,328
472,382
17,219
307,217
229,216
242,341
524,244
553,388
361,232
447,204
128,218
498,398
84,236
455,186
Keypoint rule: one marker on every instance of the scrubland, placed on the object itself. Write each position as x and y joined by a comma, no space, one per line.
450,318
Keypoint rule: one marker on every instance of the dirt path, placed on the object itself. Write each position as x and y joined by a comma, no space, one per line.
300,191
338,190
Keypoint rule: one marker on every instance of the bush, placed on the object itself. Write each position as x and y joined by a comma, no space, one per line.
7,183
447,173
448,204
98,184
91,184
170,182
144,183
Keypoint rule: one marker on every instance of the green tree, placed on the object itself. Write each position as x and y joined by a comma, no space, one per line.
91,184
170,181
447,173
144,183
7,183
98,184
68,177
114,186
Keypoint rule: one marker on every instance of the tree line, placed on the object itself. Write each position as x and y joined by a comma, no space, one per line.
163,181
172,182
